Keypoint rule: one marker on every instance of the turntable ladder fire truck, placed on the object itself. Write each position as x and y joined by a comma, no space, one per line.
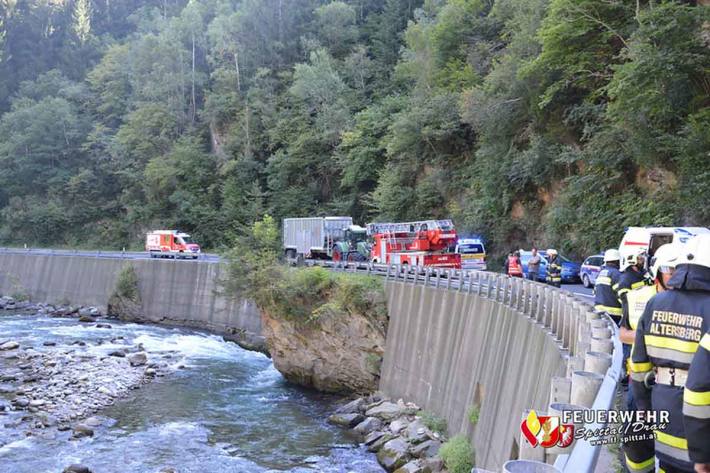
422,243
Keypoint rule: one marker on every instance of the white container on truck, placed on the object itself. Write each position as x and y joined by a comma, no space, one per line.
313,237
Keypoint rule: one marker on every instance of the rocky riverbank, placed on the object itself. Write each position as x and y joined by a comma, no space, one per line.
51,390
396,431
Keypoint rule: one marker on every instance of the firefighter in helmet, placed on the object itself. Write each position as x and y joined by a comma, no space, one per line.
606,300
633,275
554,268
696,407
668,335
662,268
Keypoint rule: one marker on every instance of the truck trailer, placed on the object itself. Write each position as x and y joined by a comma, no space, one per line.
326,238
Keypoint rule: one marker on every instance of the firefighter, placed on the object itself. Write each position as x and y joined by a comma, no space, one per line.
662,268
667,337
606,300
554,269
633,275
662,265
696,407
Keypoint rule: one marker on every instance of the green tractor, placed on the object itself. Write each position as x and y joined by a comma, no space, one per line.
354,245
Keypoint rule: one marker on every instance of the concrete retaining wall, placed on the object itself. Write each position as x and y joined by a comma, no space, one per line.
449,350
172,292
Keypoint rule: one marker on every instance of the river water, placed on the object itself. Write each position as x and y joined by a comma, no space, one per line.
218,409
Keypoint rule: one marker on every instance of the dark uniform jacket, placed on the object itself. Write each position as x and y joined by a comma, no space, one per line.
629,280
605,297
554,271
668,336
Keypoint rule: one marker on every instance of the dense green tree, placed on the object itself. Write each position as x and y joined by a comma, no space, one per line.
529,121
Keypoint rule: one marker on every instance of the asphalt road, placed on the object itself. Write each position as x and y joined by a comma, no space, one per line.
579,290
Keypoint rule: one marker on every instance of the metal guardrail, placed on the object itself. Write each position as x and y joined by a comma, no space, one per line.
588,341
129,255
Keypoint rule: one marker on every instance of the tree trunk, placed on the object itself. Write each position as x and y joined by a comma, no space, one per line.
194,102
236,66
246,126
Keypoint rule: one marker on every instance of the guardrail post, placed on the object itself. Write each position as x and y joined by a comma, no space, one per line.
448,279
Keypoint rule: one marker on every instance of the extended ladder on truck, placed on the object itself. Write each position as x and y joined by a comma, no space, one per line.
420,243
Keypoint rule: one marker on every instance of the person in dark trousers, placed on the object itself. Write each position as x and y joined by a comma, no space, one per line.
662,268
633,276
554,268
606,300
664,374
696,407
534,265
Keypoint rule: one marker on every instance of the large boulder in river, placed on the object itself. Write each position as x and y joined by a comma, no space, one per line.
76,469
9,345
82,430
393,454
385,411
346,420
137,359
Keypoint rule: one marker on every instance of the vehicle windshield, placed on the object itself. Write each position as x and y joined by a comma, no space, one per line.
445,225
471,248
186,240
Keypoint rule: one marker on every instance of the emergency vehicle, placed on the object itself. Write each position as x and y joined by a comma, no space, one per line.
649,239
473,253
171,244
422,243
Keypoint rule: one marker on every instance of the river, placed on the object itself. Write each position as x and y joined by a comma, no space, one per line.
218,408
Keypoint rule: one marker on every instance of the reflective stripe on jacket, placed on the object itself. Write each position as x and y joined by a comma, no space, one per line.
605,297
637,300
668,335
696,404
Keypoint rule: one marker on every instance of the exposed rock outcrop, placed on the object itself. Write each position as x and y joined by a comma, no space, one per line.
341,354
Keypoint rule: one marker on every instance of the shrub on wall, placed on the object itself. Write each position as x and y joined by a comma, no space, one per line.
457,454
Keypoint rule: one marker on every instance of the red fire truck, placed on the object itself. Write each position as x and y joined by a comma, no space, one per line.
423,243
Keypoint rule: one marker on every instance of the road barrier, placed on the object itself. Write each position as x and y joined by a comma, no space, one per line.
587,340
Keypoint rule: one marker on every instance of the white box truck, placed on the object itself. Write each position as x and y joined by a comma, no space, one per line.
313,237
648,239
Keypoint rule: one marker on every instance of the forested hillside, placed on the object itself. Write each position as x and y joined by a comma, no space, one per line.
557,122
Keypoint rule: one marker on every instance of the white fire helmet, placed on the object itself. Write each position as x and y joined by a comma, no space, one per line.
611,255
696,251
630,256
665,258
552,252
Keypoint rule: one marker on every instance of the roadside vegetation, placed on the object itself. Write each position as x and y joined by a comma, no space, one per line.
457,454
304,295
554,122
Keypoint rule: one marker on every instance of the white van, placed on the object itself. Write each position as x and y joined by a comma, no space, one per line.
650,238
473,253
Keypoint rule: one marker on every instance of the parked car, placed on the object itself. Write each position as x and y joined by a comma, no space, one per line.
570,269
590,269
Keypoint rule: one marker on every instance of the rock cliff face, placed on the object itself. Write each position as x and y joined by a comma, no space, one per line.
342,353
